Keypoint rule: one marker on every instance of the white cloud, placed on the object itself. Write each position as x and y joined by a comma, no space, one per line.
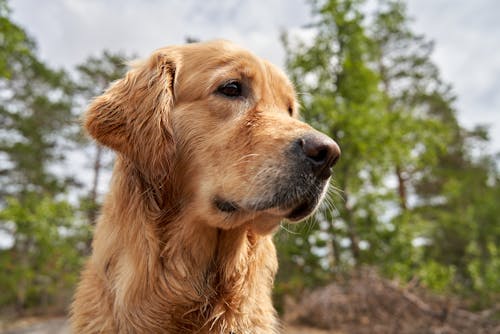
69,30
467,35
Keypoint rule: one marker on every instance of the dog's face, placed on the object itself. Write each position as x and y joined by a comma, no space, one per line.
223,124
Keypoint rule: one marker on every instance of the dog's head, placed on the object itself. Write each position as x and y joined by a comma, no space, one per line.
223,124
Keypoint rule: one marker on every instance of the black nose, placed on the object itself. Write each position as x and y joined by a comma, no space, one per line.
321,153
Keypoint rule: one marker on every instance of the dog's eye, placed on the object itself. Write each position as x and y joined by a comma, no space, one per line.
290,111
230,89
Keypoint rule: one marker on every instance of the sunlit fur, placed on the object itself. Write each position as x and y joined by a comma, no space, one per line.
165,259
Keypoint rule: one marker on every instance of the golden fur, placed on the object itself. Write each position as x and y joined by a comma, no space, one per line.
170,253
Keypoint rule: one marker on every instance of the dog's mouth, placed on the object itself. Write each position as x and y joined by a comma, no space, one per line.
225,205
281,205
302,210
293,213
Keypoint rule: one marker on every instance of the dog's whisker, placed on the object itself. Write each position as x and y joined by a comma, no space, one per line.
282,226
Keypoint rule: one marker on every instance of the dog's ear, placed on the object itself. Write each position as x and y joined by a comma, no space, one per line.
133,115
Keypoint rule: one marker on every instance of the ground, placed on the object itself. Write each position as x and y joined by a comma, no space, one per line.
60,326
36,326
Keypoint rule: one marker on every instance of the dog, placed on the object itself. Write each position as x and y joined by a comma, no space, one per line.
211,157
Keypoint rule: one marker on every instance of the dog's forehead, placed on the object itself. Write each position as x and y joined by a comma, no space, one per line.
277,79
210,62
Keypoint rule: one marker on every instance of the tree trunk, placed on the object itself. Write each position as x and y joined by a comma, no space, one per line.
399,170
334,251
93,207
353,235
401,188
22,250
351,228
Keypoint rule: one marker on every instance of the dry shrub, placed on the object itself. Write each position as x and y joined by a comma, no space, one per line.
366,303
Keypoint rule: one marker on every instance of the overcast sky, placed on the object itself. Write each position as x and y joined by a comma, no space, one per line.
466,32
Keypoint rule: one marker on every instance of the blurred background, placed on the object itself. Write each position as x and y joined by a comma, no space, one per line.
408,240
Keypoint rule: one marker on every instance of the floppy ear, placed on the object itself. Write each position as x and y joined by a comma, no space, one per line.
132,116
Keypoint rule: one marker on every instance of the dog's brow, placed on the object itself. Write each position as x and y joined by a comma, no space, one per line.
230,72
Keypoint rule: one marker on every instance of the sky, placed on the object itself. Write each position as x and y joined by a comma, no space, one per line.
466,35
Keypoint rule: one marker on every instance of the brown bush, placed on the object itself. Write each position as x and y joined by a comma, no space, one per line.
366,303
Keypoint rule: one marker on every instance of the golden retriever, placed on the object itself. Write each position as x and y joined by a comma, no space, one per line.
210,158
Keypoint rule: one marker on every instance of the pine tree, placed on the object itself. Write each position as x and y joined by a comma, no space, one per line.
35,108
408,182
94,76
35,118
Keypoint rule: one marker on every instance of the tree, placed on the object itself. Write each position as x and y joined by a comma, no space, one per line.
35,114
340,96
408,186
416,97
445,178
41,267
94,75
35,104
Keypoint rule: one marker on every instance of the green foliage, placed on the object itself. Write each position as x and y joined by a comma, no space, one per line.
96,73
13,41
49,236
35,105
44,259
40,266
93,77
410,197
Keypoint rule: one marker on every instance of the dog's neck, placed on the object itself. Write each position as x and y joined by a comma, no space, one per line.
208,277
